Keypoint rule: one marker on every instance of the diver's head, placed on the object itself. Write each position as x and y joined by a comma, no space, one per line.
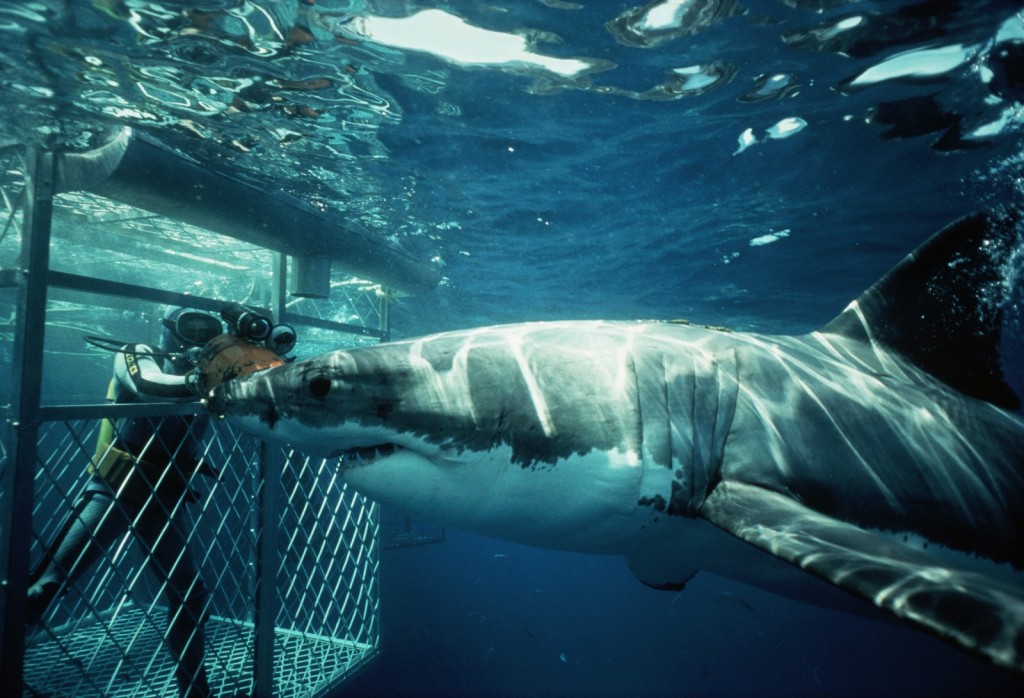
182,329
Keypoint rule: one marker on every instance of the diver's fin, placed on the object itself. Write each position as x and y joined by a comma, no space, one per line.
981,614
941,306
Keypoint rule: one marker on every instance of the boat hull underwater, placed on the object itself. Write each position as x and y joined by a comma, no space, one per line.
880,454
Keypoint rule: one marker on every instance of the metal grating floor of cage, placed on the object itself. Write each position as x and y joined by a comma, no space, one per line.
88,659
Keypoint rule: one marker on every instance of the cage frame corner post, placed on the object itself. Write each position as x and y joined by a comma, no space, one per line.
21,418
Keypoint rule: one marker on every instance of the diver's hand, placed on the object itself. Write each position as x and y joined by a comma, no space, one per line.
194,383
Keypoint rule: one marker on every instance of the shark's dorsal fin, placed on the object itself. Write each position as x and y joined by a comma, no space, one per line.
941,307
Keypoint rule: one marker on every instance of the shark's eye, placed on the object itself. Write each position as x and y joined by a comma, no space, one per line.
320,386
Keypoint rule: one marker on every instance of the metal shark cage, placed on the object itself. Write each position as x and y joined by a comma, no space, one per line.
288,552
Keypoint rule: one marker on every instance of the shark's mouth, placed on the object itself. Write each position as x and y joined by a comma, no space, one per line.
365,455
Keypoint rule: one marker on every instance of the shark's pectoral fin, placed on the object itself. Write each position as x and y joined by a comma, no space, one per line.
979,613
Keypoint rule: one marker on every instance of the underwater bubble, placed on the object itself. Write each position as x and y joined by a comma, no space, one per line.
768,87
786,128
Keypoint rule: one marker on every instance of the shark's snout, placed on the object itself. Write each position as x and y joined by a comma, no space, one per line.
241,397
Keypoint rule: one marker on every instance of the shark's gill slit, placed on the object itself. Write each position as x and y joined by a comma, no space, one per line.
269,416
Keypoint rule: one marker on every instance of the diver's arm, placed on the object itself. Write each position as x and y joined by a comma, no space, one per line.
137,371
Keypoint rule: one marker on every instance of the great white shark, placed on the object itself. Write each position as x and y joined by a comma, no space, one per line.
881,453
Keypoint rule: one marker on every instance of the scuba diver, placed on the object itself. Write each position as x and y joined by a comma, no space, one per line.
140,481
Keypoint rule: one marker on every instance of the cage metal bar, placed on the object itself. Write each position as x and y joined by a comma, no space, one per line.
22,429
74,282
331,325
279,286
384,321
266,590
61,413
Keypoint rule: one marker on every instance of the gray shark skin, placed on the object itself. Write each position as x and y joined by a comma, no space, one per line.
879,454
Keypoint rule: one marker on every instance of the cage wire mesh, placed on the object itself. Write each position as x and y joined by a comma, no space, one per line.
107,631
353,302
106,635
363,308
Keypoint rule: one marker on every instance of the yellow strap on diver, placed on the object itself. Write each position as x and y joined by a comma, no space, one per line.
106,433
110,463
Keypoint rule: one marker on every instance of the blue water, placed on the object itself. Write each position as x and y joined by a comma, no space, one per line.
479,617
547,198
575,207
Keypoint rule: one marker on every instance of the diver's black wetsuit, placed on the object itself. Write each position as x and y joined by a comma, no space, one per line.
143,492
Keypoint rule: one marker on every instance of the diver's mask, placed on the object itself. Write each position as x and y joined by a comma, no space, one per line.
192,328
183,333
